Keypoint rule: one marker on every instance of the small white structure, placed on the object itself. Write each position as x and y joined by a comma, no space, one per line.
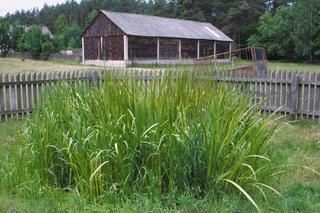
69,52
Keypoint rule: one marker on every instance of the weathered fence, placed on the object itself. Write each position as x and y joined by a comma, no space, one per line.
19,93
53,56
289,93
295,94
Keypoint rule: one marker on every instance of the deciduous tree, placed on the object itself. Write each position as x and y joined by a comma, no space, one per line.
47,48
306,28
275,33
32,41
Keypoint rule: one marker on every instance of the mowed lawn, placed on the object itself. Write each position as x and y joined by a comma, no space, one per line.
300,67
16,65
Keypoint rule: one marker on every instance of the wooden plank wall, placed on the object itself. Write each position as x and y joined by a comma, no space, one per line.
294,94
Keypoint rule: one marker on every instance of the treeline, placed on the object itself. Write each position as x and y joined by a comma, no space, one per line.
37,39
287,29
290,32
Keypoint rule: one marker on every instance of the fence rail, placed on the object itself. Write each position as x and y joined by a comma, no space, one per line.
19,93
294,94
53,56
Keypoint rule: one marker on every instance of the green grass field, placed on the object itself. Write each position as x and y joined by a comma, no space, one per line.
283,66
16,65
272,65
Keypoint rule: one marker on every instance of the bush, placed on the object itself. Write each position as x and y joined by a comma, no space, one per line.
38,44
32,41
47,49
72,44
169,136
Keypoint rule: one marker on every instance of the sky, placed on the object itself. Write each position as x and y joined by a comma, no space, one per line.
13,5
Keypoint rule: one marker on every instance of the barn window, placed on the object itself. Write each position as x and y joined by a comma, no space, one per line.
222,50
222,47
189,48
169,49
142,48
206,48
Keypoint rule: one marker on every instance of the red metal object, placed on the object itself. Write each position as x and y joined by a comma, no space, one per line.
245,59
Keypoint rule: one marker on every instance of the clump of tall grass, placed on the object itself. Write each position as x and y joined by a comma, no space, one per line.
163,136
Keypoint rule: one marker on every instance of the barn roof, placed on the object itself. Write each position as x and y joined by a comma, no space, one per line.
155,26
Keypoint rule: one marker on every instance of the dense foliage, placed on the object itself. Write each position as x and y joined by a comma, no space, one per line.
169,136
287,29
5,41
237,18
291,31
35,42
274,33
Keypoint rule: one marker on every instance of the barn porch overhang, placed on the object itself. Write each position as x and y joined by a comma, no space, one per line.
151,50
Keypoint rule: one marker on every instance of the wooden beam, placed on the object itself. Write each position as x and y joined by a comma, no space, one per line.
158,50
198,49
230,51
294,95
83,59
101,49
215,50
125,49
180,54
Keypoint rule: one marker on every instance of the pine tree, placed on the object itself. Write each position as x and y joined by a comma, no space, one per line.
89,19
60,25
5,41
189,9
16,33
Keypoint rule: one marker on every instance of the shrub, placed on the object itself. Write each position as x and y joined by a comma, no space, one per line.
72,44
32,41
165,136
38,44
47,49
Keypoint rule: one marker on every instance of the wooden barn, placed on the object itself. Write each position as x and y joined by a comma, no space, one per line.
120,39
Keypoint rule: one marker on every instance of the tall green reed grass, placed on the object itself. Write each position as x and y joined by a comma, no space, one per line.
163,136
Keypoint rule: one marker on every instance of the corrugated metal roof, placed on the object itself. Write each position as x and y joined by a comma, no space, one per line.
155,26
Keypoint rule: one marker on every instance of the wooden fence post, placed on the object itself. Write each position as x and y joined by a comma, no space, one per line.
294,95
95,79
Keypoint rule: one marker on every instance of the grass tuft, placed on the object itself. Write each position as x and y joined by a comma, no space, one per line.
161,137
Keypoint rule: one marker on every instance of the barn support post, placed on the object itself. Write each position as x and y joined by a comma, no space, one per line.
158,50
101,49
215,50
83,50
125,50
230,51
180,55
198,49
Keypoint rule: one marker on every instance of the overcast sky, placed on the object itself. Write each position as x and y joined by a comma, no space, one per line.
13,5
